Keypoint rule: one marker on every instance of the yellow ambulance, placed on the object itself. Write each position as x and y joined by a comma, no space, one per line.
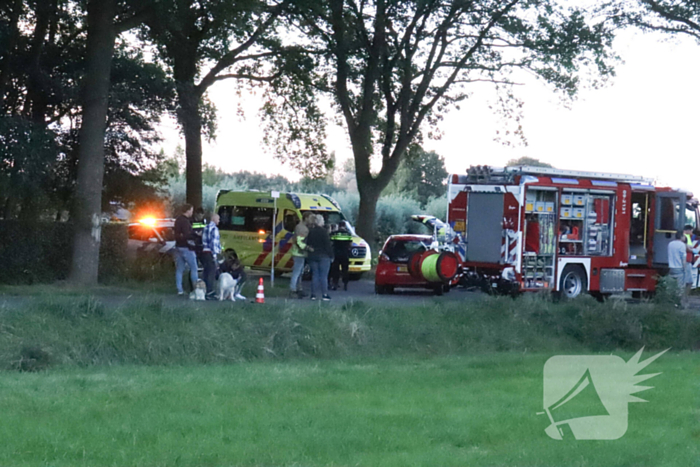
246,220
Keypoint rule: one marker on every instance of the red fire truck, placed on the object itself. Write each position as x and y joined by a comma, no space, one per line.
533,228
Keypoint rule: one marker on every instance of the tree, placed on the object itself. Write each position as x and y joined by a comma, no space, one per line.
421,175
40,113
394,67
232,39
668,16
106,19
531,161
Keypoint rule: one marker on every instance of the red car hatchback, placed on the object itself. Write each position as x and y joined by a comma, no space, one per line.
392,269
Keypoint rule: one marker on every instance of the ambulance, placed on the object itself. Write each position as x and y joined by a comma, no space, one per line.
246,227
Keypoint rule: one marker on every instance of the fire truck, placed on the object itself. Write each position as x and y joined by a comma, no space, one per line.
570,232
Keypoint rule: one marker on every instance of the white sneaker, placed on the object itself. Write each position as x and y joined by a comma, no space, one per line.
240,297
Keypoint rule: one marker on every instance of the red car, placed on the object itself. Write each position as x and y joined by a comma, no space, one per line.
392,269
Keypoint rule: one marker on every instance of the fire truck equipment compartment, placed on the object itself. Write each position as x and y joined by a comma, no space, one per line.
484,227
612,280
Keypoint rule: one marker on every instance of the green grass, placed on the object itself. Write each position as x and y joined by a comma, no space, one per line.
448,411
152,383
70,331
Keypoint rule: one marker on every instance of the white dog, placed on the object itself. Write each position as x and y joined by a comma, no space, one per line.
199,292
227,287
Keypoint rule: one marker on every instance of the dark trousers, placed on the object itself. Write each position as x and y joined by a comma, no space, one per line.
209,273
338,264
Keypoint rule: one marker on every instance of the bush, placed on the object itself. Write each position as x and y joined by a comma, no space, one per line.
437,207
40,252
394,216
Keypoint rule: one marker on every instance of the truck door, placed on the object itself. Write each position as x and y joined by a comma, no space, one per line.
670,217
484,227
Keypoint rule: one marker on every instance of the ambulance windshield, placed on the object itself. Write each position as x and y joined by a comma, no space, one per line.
333,217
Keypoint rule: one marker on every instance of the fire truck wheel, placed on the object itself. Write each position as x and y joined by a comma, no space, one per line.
573,281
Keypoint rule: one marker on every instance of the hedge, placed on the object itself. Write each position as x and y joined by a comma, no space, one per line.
40,252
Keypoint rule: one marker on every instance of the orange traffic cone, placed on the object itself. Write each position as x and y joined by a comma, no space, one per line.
260,296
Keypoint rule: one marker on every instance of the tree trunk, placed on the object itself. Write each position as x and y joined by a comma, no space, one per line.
88,192
370,188
366,217
191,122
369,195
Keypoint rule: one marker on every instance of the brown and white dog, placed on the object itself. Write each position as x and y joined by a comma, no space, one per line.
200,291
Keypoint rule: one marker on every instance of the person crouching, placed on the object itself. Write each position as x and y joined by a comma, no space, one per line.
233,266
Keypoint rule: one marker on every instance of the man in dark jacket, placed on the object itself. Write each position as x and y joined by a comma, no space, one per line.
198,225
341,239
184,248
320,257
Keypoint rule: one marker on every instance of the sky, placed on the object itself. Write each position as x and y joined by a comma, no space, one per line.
644,122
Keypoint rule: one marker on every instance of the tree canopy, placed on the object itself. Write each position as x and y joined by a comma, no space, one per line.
421,175
668,16
42,68
394,67
531,161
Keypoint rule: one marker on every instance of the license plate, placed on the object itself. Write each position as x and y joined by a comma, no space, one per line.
402,268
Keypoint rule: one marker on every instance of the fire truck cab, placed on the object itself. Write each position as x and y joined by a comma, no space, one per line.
533,228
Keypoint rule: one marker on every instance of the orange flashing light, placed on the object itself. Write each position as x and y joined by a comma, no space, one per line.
149,221
261,232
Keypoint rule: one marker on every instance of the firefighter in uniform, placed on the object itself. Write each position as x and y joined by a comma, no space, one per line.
341,240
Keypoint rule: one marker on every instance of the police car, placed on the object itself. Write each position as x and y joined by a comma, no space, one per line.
151,235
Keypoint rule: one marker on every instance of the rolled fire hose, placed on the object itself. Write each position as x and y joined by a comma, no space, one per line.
433,266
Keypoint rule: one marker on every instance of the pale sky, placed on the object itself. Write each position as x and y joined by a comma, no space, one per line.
643,123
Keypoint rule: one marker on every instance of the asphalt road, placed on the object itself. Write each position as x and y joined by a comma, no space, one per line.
361,291
358,291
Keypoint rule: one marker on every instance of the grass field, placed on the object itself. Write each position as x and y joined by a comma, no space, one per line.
442,383
447,411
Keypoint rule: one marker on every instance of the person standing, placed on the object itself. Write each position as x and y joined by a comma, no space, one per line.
341,240
299,252
184,248
211,248
690,254
677,250
319,256
198,225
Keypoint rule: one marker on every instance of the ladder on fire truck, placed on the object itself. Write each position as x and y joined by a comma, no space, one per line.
484,173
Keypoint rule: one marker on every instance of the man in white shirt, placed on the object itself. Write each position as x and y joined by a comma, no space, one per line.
677,250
